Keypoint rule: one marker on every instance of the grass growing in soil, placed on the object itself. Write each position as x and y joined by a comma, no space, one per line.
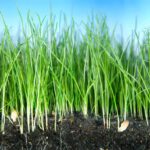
58,68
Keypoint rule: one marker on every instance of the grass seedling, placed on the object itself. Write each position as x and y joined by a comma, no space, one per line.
57,67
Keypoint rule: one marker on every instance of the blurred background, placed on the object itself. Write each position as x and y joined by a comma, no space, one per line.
125,15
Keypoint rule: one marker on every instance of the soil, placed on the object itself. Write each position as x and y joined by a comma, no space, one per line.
78,133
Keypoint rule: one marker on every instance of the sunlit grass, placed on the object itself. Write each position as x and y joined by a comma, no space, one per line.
61,70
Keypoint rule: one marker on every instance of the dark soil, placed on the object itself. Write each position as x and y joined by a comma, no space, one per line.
78,133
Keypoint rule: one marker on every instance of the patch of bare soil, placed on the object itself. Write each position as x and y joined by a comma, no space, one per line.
78,133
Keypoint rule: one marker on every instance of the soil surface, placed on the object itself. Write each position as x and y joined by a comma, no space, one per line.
78,133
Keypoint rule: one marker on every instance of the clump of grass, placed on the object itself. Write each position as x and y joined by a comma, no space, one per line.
55,68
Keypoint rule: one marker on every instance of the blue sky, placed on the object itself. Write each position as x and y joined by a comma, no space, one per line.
119,12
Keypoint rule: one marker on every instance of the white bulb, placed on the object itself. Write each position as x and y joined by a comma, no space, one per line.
14,115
